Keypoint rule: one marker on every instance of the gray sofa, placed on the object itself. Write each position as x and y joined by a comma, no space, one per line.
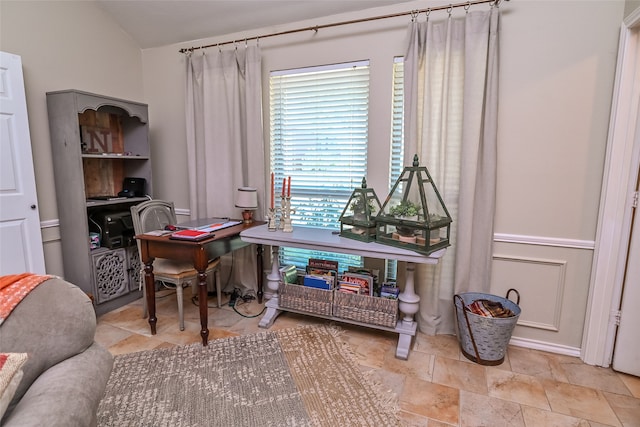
66,372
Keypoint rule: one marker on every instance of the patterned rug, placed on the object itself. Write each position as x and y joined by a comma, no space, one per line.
303,376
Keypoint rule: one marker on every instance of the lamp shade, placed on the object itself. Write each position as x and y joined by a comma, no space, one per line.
247,198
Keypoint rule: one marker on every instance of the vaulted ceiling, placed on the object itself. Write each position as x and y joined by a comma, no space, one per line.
153,23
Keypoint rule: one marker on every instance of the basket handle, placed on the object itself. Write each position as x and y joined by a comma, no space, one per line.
466,317
517,295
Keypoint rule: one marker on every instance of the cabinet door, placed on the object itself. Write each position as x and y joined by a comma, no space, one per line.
110,274
134,268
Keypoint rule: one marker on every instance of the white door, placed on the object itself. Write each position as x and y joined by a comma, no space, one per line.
20,237
626,353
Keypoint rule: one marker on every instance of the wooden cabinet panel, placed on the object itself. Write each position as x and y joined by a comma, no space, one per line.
97,141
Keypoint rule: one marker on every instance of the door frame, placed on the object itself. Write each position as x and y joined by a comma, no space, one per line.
618,184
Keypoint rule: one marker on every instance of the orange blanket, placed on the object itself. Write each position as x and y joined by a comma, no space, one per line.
14,287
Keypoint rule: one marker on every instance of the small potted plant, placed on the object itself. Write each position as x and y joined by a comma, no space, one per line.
407,220
406,209
359,210
358,218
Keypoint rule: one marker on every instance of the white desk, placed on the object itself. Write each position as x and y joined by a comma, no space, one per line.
325,240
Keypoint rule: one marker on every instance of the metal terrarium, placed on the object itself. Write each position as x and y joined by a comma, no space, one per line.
358,217
413,215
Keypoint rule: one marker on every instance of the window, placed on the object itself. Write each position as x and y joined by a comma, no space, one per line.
397,122
397,139
319,133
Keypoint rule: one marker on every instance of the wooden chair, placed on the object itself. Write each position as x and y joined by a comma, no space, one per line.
155,215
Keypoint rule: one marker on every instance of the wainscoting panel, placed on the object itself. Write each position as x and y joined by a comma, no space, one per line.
552,276
541,284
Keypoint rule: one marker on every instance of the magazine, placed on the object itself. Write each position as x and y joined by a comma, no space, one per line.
363,281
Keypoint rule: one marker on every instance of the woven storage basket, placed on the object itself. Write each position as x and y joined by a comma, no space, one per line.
366,309
304,298
483,339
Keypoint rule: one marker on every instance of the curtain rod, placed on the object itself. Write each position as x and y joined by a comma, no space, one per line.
315,28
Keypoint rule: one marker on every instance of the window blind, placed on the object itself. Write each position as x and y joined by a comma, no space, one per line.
319,133
397,122
397,139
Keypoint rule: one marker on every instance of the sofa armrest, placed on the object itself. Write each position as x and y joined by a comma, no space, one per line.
67,394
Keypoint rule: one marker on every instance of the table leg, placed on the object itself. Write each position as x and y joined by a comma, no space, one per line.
260,251
150,288
409,302
273,278
203,305
404,344
273,282
273,311
405,335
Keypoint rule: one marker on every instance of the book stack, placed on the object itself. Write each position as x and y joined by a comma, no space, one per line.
363,281
356,283
321,274
389,290
289,274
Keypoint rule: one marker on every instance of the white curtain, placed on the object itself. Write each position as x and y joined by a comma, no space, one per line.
225,143
451,97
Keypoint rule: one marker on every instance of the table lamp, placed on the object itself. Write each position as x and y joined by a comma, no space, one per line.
247,199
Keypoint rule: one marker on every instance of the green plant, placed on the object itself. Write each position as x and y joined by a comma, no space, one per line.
405,208
357,206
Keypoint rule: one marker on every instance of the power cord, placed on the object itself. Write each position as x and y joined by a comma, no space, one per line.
237,296
236,300
237,293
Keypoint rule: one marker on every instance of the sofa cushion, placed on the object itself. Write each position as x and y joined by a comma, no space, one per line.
54,322
66,395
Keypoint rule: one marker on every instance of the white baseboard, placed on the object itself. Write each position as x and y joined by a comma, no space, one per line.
545,346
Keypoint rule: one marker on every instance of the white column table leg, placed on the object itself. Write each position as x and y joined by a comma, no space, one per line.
273,282
409,304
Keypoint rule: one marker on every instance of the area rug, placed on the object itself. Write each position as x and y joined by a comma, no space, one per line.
304,376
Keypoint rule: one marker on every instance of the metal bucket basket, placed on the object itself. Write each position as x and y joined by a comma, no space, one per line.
484,339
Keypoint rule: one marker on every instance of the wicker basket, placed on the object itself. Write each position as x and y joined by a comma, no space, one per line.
483,339
366,309
304,298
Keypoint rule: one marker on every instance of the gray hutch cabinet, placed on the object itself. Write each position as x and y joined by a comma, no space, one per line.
99,146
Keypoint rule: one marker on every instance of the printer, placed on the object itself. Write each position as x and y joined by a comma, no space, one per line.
116,228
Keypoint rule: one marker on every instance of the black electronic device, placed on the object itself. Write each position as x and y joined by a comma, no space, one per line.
116,228
133,187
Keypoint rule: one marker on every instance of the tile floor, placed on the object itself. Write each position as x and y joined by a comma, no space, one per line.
436,387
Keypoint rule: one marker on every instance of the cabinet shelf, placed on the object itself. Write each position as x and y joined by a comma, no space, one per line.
114,156
115,201
98,141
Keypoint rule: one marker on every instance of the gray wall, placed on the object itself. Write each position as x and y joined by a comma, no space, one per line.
65,45
557,70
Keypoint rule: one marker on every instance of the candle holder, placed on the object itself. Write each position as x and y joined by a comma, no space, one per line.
271,218
286,211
